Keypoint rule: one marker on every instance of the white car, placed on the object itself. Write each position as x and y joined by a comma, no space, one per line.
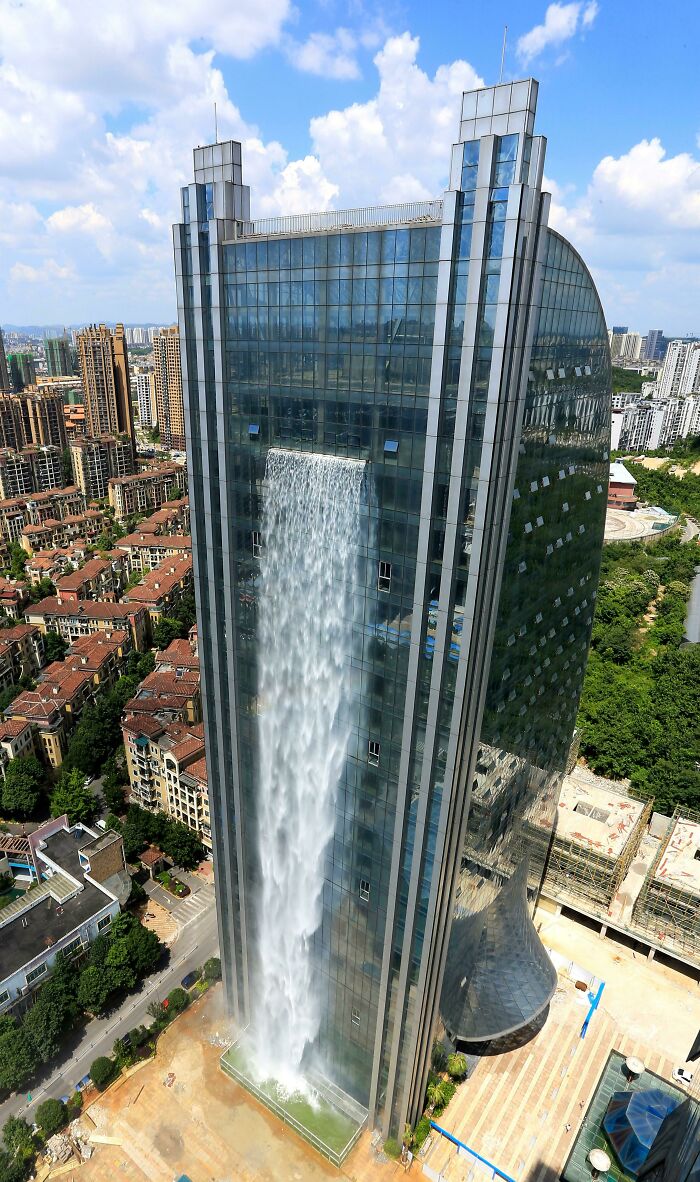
683,1076
88,781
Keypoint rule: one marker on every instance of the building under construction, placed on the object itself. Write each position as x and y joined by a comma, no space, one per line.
598,833
668,905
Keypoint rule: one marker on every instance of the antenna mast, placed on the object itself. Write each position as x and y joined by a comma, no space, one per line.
503,53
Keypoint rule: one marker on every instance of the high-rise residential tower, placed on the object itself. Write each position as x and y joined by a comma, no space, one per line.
398,425
22,369
59,361
168,382
104,369
4,371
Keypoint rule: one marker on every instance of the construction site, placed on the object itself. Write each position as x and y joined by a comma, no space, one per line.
633,872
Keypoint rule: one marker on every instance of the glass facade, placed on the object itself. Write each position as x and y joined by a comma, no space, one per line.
465,359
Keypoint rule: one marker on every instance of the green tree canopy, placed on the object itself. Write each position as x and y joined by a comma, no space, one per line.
22,786
51,1116
70,796
102,1072
55,646
18,1058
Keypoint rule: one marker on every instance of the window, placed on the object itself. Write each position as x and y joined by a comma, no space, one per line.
104,922
257,543
4,996
355,1017
73,946
364,890
590,810
373,749
37,972
384,579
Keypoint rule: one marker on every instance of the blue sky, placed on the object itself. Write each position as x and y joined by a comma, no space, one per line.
338,103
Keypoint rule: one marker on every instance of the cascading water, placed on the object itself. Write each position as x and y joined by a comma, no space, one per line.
311,535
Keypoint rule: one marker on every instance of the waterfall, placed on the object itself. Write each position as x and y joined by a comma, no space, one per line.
311,535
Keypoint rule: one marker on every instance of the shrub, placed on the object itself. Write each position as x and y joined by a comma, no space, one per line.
392,1148
438,1057
51,1116
457,1066
422,1131
178,1000
74,1105
212,969
102,1072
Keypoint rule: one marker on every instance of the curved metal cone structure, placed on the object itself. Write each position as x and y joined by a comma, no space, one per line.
498,975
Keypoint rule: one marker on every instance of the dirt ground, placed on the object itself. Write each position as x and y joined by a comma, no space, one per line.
203,1124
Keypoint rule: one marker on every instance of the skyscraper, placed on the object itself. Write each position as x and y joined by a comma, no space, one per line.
22,370
104,369
168,382
4,372
59,362
398,425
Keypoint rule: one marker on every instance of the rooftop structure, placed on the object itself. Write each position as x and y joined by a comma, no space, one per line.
145,491
84,617
64,913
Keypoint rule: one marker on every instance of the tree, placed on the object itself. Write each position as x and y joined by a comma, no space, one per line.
18,1058
55,646
212,969
165,631
118,966
182,845
102,1072
18,560
144,949
21,788
18,1140
71,796
51,1116
174,492
13,1169
178,1000
437,1094
41,590
93,990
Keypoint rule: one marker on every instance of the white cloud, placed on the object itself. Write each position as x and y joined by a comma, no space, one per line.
48,270
638,227
561,23
328,55
397,145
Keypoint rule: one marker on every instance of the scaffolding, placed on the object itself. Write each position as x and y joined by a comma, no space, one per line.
590,853
668,905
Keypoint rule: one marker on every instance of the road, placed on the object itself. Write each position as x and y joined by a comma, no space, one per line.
195,944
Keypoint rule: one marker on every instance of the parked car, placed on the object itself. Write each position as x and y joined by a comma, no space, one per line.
683,1076
189,980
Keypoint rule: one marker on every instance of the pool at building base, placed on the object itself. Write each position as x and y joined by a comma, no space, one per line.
331,1124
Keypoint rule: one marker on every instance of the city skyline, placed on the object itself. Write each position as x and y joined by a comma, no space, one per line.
93,136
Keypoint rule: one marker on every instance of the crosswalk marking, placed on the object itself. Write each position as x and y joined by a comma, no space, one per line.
194,906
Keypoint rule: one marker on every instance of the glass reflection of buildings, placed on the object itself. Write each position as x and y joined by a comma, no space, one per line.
458,346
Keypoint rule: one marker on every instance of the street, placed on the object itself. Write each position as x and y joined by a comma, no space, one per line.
195,944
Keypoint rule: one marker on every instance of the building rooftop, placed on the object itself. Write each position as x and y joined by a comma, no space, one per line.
333,220
680,864
163,470
160,581
594,813
91,570
619,474
91,609
159,541
55,915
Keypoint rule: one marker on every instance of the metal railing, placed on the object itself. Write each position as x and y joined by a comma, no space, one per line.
345,219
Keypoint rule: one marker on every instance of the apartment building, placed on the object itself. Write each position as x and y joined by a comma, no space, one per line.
145,492
33,469
161,589
53,708
13,518
16,739
104,370
33,416
145,397
85,526
52,564
85,618
21,653
14,596
81,879
173,518
99,579
148,550
57,503
59,361
98,460
168,387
